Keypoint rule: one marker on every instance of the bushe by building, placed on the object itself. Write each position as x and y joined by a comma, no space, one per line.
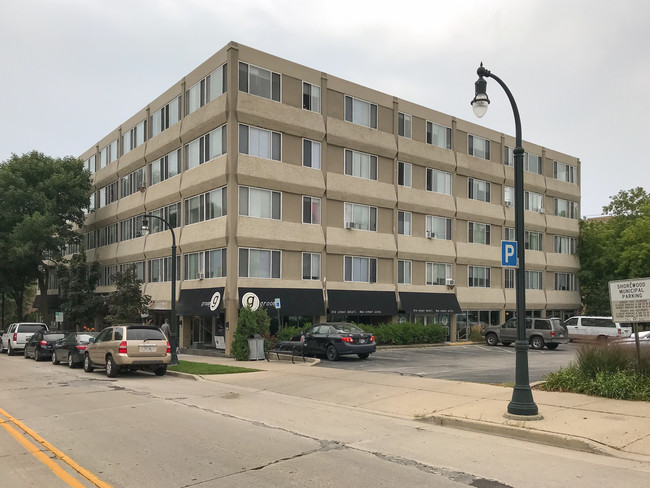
283,182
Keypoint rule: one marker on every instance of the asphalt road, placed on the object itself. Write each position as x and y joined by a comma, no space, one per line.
477,363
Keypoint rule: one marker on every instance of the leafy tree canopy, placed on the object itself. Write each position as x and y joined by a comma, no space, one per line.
77,281
127,303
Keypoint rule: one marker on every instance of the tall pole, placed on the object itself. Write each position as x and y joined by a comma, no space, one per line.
522,402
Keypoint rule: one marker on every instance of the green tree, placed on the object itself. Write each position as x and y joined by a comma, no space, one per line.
127,303
41,201
77,281
248,324
614,249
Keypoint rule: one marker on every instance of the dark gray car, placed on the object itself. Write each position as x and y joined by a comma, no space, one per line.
540,332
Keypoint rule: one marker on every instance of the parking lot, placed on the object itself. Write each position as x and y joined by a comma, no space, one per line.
476,363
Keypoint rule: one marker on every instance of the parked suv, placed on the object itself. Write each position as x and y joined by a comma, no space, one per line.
596,328
18,334
540,332
129,347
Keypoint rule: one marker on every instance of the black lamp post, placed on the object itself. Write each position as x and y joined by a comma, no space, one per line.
173,324
522,402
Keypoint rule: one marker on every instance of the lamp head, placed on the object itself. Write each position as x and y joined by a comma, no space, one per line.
481,100
145,226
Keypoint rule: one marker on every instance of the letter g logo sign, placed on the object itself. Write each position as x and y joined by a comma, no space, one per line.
250,300
214,302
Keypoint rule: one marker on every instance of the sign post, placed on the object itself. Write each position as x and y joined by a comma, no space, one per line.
277,307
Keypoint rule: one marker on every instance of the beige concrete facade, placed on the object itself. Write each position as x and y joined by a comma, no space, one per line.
338,138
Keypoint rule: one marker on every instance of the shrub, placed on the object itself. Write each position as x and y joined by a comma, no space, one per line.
249,323
406,333
288,332
475,333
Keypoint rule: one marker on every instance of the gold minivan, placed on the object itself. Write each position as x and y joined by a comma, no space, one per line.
128,347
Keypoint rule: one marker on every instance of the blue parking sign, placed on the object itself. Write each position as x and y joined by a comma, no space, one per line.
509,254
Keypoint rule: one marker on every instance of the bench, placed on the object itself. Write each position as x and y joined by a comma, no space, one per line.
294,348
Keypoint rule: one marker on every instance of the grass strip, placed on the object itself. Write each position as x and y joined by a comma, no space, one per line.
192,367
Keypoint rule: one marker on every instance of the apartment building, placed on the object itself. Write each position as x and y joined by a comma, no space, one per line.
285,184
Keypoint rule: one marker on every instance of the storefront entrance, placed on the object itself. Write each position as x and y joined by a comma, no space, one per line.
208,332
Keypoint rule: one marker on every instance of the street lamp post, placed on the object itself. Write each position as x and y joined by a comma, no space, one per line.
522,402
173,324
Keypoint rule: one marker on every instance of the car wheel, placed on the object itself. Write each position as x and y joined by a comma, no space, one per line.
88,365
10,351
601,339
37,355
332,353
161,370
111,367
364,355
491,339
70,361
537,342
55,361
552,347
506,343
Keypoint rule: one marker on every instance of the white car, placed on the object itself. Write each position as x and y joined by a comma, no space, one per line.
18,334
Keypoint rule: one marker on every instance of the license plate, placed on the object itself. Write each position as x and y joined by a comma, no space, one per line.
362,341
147,348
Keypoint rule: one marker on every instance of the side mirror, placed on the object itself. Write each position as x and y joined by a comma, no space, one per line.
91,339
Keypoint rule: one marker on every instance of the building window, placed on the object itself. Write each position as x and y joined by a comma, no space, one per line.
508,196
260,203
438,273
565,281
89,240
404,124
160,269
564,172
438,227
134,137
133,182
404,223
165,117
311,154
509,278
361,217
108,154
360,112
566,208
565,244
404,174
478,233
206,148
438,181
310,210
260,142
131,228
533,163
107,275
107,235
137,267
91,164
259,81
259,263
438,135
478,276
533,280
310,97
360,164
206,90
404,271
206,206
508,156
360,269
509,234
533,240
533,201
205,264
91,203
108,194
478,147
171,213
166,167
310,266
478,190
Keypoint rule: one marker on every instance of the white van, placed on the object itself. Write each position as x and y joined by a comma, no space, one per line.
596,328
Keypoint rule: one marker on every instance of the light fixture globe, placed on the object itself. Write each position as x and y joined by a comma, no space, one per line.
480,105
144,231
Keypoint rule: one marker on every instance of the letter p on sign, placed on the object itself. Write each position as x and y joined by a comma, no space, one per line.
509,254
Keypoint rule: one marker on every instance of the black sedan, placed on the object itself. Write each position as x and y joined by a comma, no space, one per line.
72,347
41,344
334,339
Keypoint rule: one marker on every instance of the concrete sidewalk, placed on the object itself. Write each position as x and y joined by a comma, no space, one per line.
614,427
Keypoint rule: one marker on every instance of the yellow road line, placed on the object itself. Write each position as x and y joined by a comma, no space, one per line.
46,460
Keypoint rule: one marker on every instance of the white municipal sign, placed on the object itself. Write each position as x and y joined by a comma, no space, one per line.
630,300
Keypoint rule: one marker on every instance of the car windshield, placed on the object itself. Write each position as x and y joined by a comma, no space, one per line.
143,334
347,328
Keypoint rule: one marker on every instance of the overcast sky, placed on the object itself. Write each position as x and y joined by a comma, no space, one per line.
73,70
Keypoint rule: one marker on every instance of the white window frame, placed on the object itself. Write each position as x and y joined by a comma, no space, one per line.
254,86
478,233
435,177
533,163
438,135
569,278
273,205
311,97
274,260
133,182
478,281
446,221
565,245
310,217
404,125
533,201
269,143
478,190
206,148
204,91
166,167
166,116
134,137
571,210
171,213
309,260
353,275
404,174
203,203
404,223
533,280
429,277
311,154
352,210
361,112
569,171
360,165
530,237
404,271
478,152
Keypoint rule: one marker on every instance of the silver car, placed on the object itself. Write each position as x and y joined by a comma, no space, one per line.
540,332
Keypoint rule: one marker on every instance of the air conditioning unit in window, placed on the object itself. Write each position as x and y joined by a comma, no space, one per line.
201,275
349,225
429,234
450,282
508,204
540,210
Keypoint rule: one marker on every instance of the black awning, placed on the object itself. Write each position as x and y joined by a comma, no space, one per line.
200,301
429,302
293,301
356,302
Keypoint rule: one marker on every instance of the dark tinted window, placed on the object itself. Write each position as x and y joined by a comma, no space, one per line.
529,324
143,334
118,334
571,321
542,325
347,328
30,327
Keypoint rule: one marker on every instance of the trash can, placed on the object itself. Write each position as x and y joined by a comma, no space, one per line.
256,348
